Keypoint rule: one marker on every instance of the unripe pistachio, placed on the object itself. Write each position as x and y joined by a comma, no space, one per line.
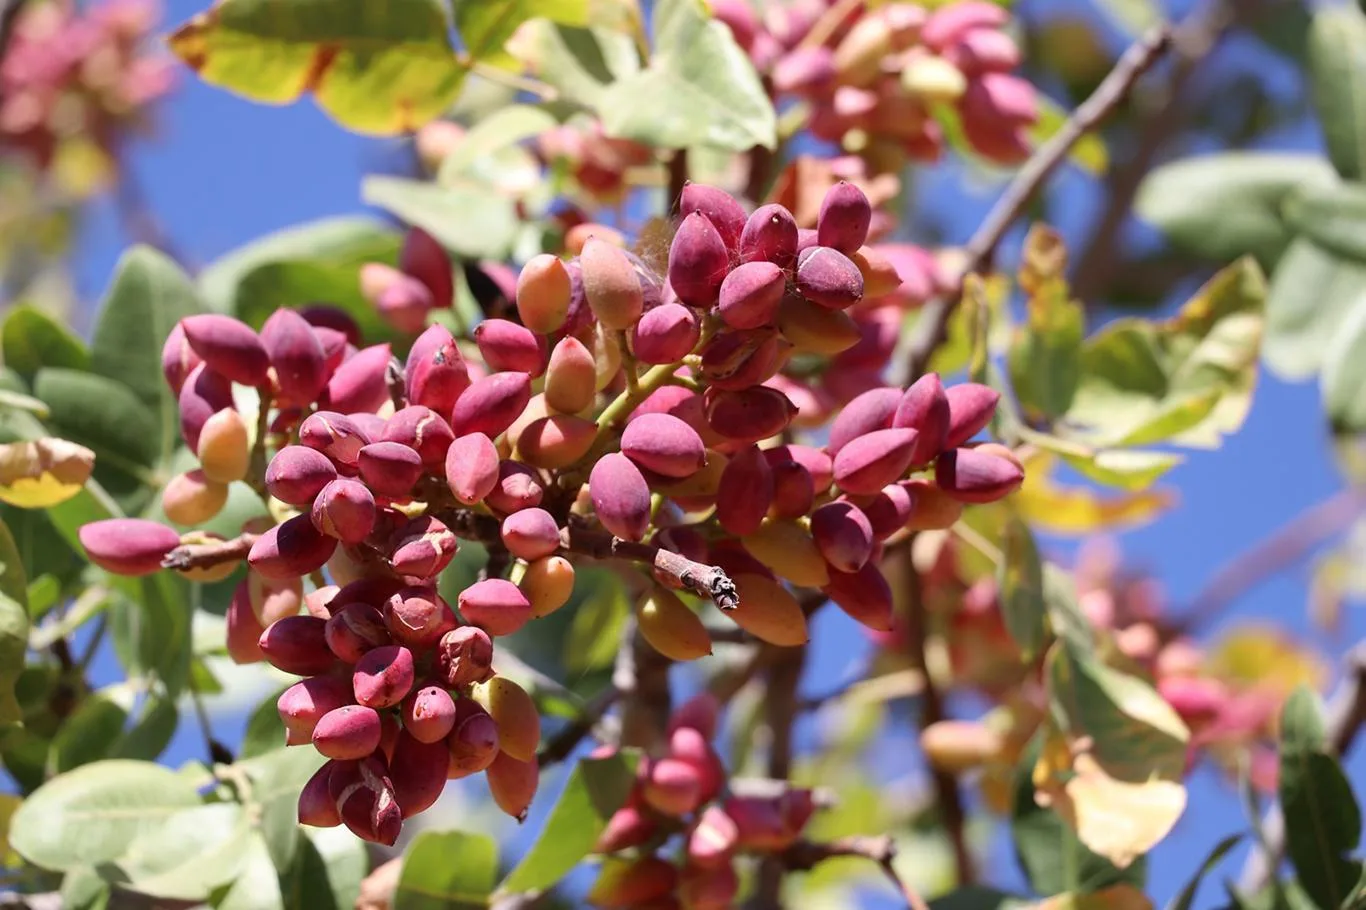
571,376
317,808
931,78
548,584
864,595
880,276
508,346
787,548
932,508
354,630
621,498
127,546
464,656
191,498
858,58
383,676
224,447
579,234
421,429
698,261
543,292
471,467
556,441
418,617
720,209
422,547
671,627
473,740
296,356
297,474
228,346
973,476
418,769
873,460
530,534
768,611
204,394
291,549
435,374
178,359
745,492
335,435
611,284
244,630
665,334
816,329
296,644
429,716
519,723
956,746
303,704
512,783
606,357
491,404
495,605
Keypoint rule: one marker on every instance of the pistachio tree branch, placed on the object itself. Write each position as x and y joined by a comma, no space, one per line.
208,555
701,579
805,855
932,328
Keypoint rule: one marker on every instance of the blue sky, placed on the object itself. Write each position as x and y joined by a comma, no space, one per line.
223,171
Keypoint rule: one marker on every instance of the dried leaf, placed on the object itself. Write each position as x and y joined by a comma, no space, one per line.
43,472
1120,821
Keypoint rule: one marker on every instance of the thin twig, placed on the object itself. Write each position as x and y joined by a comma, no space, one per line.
678,178
562,744
703,580
1346,715
932,328
947,795
780,716
1283,548
805,855
207,555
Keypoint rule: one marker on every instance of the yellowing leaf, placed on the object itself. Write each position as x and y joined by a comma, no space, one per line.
1060,509
1263,657
43,472
379,68
1120,821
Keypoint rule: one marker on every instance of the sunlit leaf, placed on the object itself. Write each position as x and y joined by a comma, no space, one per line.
1343,380
1120,820
597,787
1312,293
43,472
581,63
379,68
447,870
714,96
1264,657
1044,358
14,624
1333,217
1337,81
32,340
475,223
1020,579
595,630
1188,379
494,133
256,885
1063,509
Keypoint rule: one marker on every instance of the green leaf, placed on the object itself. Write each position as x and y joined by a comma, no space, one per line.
90,815
154,612
256,886
486,25
88,735
277,779
1054,860
699,88
14,624
977,897
1343,380
1334,217
1020,579
581,63
1186,897
597,788
1128,469
148,296
1225,205
1044,359
297,283
507,127
1188,379
1322,818
152,732
327,875
1089,152
1137,736
265,731
593,634
472,223
380,69
447,870
1064,613
345,242
32,340
1312,292
192,854
1337,81
102,414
